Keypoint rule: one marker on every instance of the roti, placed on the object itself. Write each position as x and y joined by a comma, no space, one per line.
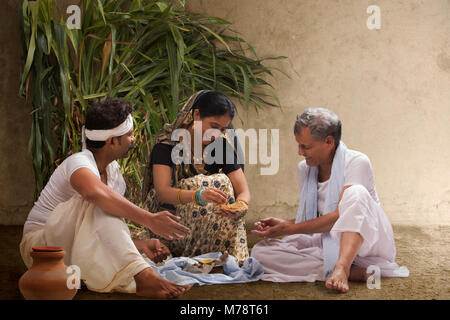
236,207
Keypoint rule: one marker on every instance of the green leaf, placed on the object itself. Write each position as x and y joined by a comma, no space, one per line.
102,12
159,55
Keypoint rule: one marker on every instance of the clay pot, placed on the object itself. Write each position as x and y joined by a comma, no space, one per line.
47,277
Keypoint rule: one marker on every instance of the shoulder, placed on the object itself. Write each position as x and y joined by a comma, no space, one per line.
162,147
78,160
161,150
161,154
357,162
84,156
353,157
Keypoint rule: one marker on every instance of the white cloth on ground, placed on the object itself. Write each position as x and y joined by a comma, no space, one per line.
300,258
172,270
59,190
98,243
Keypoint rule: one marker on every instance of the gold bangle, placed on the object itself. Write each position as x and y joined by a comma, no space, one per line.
246,203
179,196
194,198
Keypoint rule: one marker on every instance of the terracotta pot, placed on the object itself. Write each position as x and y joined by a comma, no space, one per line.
47,277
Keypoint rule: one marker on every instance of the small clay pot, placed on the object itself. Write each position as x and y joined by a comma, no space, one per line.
47,277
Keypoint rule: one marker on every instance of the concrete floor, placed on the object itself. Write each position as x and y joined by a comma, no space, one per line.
424,250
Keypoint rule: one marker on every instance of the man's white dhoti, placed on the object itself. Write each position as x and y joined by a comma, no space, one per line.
98,243
299,258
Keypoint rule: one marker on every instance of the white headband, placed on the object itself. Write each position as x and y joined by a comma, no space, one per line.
103,135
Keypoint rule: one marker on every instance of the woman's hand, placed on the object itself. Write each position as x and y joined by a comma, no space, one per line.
215,196
230,214
164,224
233,214
153,249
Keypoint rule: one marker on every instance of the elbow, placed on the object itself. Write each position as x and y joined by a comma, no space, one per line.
90,197
94,195
159,194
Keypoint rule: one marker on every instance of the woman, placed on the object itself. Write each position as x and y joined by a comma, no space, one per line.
194,190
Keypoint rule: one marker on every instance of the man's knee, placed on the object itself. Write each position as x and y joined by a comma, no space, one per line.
258,249
356,192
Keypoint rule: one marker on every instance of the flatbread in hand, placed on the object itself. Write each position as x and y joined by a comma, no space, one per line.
235,207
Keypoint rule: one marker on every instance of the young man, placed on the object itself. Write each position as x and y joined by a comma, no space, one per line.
82,209
340,228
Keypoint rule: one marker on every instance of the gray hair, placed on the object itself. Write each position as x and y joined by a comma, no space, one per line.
322,122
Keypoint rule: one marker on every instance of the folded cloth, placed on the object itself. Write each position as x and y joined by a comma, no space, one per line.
172,270
308,204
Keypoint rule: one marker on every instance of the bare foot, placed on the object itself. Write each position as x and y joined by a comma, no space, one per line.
150,284
338,280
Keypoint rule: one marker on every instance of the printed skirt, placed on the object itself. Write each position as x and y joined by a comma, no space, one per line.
209,231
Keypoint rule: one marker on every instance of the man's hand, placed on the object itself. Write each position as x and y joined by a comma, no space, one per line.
153,249
164,224
263,224
272,227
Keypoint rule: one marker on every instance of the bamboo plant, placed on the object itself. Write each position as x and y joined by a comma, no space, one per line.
151,53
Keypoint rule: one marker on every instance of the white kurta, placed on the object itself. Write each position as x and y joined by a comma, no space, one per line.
58,189
97,242
299,258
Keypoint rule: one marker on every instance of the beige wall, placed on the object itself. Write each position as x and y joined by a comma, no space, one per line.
390,87
16,172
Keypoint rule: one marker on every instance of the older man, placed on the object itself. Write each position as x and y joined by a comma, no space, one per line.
82,208
340,227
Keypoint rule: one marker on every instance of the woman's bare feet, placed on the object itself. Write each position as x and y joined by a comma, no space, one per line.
150,284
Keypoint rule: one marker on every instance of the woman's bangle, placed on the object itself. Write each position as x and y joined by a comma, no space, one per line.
179,196
244,202
199,198
194,198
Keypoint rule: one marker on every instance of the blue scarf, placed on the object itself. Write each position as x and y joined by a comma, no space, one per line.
307,209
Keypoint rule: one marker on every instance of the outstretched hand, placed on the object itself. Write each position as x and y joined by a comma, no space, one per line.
165,224
272,227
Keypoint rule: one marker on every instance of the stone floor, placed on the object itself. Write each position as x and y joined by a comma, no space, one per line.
425,250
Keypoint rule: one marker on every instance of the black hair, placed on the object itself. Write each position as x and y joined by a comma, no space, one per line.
106,115
212,103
